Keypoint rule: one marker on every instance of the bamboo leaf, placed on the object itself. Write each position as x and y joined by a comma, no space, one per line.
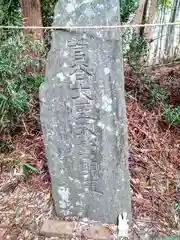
27,165
177,206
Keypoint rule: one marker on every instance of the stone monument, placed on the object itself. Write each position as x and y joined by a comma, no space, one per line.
83,113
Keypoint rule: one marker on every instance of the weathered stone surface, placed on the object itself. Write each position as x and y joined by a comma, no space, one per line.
54,228
66,230
83,113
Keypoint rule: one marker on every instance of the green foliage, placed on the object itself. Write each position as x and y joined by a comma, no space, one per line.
167,3
16,86
33,81
10,14
28,166
25,167
171,115
127,8
137,48
47,10
157,93
3,143
177,206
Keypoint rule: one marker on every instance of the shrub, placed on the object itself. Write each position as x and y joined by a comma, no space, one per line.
137,48
171,115
16,86
127,8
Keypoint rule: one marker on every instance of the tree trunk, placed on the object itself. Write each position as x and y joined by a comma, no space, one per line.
31,16
152,12
139,14
144,19
171,29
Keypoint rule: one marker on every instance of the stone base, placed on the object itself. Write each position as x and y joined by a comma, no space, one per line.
78,230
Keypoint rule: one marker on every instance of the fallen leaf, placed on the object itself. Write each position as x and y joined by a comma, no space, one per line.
47,196
110,227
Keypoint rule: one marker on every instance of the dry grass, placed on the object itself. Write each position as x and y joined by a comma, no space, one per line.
154,153
154,167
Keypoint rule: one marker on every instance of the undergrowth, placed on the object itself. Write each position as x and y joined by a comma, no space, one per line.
136,58
172,115
128,7
17,87
159,95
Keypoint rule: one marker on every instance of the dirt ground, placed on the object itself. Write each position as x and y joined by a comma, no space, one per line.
154,163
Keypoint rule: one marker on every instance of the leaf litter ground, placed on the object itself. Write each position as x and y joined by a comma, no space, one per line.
154,164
